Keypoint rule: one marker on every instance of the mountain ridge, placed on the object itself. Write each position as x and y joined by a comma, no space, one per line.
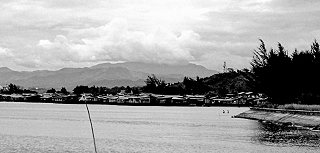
190,70
105,74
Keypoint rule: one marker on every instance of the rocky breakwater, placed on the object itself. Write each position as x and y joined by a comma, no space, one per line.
289,118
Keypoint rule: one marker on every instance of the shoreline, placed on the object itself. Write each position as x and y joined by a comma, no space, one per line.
298,119
131,104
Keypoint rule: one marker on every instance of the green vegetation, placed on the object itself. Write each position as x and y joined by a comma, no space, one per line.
230,82
215,85
14,89
104,90
288,78
300,107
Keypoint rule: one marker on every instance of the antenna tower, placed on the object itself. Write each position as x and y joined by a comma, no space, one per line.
224,67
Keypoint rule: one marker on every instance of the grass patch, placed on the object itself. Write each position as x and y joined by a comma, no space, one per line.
300,107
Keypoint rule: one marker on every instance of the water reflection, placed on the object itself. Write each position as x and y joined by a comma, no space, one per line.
272,134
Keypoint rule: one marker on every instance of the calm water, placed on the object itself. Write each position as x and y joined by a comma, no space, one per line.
33,127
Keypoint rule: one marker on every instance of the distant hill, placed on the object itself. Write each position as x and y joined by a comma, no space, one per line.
5,70
67,77
190,70
231,82
120,82
109,75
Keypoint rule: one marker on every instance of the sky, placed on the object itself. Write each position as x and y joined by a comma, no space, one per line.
53,34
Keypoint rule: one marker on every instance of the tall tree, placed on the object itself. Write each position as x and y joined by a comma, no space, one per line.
52,90
155,85
63,90
80,90
273,72
285,78
12,88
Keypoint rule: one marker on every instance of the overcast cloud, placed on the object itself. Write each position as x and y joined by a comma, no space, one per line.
38,34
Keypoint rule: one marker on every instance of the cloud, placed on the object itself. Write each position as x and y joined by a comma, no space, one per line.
294,5
114,42
5,52
6,56
242,23
55,34
10,57
45,44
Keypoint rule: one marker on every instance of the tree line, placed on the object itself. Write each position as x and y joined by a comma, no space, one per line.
12,88
95,90
288,78
216,85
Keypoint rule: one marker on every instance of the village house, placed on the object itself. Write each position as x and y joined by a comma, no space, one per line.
31,97
134,99
161,99
123,100
72,98
179,100
144,99
16,97
46,97
103,99
197,100
242,98
223,101
59,98
112,99
247,98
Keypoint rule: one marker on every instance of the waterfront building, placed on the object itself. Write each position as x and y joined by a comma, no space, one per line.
72,98
160,99
112,99
31,97
179,100
123,100
103,99
46,97
197,100
144,99
134,100
16,97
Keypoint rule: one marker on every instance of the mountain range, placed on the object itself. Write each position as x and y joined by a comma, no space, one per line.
106,74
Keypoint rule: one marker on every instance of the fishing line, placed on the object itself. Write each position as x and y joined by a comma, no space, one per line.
92,131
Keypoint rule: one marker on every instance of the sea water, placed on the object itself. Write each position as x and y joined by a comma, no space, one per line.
39,127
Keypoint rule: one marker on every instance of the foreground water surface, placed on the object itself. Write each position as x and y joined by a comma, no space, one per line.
36,127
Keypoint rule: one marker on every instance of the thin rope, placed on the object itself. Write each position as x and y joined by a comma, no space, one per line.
94,139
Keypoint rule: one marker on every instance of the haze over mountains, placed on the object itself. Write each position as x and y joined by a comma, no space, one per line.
106,74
